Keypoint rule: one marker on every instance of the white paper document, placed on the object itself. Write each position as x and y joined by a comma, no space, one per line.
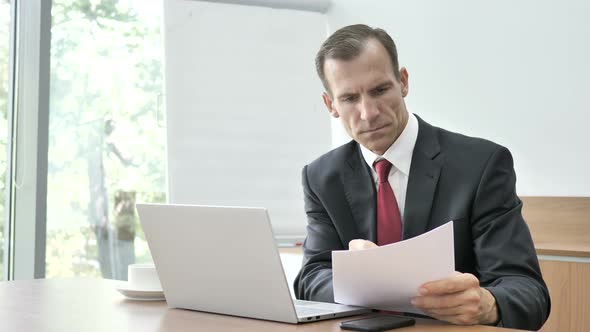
388,277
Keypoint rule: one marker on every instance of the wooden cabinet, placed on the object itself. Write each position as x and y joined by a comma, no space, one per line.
560,227
569,287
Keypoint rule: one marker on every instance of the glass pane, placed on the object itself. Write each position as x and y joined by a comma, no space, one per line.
106,135
4,79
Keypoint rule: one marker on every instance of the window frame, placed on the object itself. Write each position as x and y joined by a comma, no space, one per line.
28,120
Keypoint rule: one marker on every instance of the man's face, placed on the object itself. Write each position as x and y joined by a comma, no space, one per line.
367,97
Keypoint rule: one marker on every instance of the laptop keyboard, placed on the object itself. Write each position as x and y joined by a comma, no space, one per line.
308,308
303,311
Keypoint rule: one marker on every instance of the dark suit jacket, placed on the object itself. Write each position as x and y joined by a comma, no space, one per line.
452,177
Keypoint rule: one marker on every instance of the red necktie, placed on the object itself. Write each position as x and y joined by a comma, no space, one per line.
389,221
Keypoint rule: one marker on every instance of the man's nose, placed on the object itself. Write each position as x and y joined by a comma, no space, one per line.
369,109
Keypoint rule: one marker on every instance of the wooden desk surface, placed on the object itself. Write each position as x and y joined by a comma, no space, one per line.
94,305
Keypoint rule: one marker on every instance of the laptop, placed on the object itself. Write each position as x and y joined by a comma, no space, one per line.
224,260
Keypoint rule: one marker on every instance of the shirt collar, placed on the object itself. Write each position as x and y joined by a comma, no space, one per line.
399,154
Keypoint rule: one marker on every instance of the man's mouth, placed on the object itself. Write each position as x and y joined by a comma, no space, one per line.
372,130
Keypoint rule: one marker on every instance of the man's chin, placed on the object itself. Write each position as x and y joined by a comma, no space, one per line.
378,144
376,148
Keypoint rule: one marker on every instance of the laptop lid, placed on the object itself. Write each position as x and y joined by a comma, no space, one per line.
218,259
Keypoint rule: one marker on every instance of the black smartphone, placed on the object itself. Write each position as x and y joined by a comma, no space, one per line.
377,323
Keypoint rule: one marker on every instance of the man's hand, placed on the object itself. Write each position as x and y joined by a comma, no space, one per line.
359,244
458,300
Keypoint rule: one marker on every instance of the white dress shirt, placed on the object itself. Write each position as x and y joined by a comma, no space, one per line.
399,155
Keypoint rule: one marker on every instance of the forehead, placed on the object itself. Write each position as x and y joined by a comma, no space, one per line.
372,66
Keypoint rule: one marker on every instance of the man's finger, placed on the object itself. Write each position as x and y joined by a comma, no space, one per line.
454,284
470,296
360,244
454,311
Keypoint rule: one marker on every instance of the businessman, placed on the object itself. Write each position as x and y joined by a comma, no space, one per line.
400,177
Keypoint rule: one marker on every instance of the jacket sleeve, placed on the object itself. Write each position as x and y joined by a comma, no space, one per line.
314,281
505,255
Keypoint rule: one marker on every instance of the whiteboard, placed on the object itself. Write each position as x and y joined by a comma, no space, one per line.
514,72
243,106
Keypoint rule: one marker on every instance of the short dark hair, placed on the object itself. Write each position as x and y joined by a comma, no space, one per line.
348,42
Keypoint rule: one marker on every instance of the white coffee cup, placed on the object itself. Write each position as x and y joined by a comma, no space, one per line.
143,277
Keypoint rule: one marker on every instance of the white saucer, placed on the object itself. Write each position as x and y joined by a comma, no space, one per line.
139,294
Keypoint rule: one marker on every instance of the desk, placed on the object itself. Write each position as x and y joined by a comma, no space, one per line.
94,305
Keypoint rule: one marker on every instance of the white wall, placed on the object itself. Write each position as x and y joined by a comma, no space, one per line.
243,106
515,72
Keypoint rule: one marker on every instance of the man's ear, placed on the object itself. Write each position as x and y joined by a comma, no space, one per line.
330,105
403,78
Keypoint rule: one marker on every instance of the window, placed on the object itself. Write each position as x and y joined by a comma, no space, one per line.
106,134
5,10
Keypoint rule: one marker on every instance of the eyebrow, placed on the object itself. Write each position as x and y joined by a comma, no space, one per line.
382,85
346,95
377,86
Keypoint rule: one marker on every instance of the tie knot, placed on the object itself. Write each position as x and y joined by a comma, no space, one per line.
382,167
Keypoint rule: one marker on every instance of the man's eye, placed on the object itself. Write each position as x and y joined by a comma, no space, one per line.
381,90
349,99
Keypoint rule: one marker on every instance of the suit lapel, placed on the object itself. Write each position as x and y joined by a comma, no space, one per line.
424,173
360,194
